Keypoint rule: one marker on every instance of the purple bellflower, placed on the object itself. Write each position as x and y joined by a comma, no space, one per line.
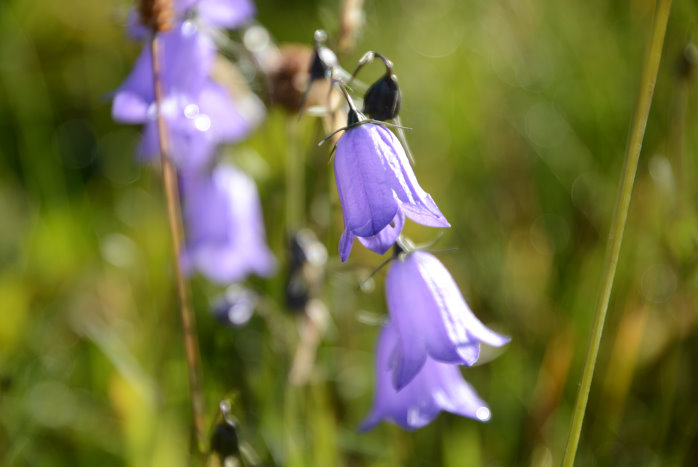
196,126
436,387
199,114
225,229
186,57
431,317
377,188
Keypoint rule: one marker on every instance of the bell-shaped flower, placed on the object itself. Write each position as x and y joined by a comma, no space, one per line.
225,230
436,387
185,57
431,317
197,125
199,115
377,188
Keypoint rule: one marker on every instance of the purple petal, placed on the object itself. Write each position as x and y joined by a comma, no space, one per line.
149,146
417,204
185,60
229,14
460,323
385,239
436,387
129,107
225,231
404,294
346,241
431,316
230,121
134,27
195,126
364,190
187,56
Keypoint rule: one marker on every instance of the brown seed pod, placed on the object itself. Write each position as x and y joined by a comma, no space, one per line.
157,14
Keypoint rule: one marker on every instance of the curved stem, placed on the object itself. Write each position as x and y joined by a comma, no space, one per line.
615,239
169,177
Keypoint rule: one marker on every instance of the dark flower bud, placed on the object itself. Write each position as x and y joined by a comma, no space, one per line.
323,59
225,441
307,258
382,100
297,292
353,117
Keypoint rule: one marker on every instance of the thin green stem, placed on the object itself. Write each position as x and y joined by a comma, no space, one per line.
615,238
169,177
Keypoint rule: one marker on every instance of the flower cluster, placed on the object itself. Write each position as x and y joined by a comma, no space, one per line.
221,208
431,330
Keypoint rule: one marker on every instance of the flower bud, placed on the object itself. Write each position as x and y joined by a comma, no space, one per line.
382,100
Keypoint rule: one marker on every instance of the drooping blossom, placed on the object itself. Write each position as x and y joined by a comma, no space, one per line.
436,387
377,188
431,317
225,230
185,60
198,113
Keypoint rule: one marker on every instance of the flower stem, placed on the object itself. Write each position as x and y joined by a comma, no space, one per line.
615,239
169,176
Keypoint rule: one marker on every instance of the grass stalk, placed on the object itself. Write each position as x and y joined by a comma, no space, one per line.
615,238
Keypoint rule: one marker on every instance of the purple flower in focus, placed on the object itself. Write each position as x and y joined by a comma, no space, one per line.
436,387
225,229
431,317
377,189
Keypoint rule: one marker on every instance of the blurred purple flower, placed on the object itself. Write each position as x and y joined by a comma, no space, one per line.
436,387
431,317
226,14
199,114
225,229
377,188
185,59
196,126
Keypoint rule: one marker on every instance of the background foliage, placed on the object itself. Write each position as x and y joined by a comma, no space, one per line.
520,112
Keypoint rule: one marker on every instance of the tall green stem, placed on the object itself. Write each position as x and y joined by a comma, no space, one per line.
615,238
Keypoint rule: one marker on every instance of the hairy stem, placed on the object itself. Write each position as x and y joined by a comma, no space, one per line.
615,238
169,177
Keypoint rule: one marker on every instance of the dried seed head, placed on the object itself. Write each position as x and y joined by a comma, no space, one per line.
157,14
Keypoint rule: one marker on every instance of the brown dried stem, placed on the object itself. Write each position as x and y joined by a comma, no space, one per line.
157,15
169,176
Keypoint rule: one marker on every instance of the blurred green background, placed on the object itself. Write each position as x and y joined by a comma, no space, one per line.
520,111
